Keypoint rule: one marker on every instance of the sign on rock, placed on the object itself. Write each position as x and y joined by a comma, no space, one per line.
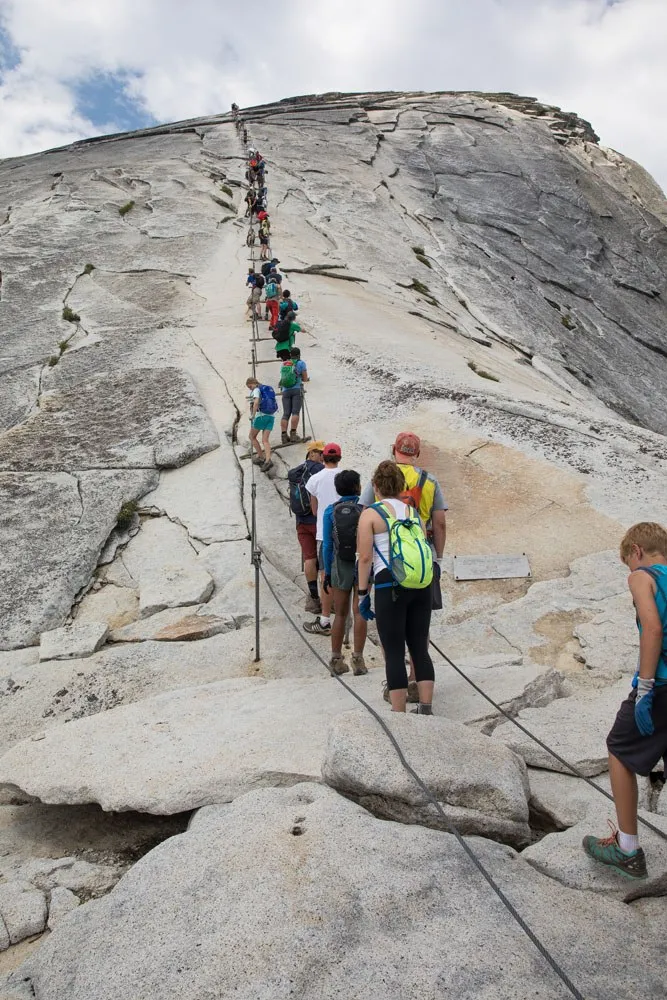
491,567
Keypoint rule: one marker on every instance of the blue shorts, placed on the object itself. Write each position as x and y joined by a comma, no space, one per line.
263,422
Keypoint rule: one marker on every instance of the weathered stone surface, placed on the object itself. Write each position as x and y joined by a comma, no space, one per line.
183,749
177,624
52,531
575,727
23,910
561,856
202,902
62,901
117,606
482,791
564,800
73,641
172,587
140,421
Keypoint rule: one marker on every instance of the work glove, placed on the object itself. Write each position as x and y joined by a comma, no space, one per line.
326,583
365,609
644,706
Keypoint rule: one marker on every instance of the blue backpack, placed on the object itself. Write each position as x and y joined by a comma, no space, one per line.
267,400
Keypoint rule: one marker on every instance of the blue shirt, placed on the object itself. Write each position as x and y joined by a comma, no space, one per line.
299,370
658,572
251,280
327,534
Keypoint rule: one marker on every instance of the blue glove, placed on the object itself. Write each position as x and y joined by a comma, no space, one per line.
644,707
365,609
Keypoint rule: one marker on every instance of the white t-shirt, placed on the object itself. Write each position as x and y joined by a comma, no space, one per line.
321,486
254,394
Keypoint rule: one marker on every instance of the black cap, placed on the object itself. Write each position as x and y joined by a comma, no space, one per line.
275,260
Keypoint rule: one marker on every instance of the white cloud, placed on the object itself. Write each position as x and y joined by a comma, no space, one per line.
602,60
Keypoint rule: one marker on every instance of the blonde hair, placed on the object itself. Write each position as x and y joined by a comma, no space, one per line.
647,535
388,479
251,381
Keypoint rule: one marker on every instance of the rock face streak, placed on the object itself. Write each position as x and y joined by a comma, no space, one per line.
472,267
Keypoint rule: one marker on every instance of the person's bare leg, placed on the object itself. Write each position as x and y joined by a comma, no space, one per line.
624,790
267,445
411,676
398,699
295,422
326,599
283,425
341,600
360,627
425,692
255,443
310,570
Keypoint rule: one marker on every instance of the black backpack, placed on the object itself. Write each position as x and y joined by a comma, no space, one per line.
299,497
345,518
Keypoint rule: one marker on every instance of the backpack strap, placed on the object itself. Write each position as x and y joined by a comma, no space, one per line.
385,517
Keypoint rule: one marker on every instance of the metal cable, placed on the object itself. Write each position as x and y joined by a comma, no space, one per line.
429,795
571,767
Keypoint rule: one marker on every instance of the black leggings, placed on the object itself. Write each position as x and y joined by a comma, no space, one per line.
403,616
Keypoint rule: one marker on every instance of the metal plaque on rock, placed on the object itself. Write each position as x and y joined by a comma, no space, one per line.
491,567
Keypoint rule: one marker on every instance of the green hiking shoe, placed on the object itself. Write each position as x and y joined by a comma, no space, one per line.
606,851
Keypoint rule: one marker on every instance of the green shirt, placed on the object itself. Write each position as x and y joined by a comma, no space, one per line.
287,345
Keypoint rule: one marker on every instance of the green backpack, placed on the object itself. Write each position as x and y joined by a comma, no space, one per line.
287,375
410,557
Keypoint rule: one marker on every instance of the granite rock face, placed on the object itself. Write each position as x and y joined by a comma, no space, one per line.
474,268
330,904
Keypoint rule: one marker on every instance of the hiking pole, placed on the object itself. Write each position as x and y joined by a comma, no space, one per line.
307,412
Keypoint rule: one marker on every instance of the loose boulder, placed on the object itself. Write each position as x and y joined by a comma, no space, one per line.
481,786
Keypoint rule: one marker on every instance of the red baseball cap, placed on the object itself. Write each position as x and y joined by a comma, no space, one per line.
332,450
407,444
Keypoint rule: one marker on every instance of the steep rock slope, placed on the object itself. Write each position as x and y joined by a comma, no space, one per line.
472,267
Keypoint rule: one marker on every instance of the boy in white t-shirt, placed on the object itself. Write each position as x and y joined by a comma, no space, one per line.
322,494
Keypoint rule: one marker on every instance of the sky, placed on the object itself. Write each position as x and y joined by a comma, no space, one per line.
76,68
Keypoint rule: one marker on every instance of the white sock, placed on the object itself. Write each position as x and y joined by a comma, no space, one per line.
627,843
325,621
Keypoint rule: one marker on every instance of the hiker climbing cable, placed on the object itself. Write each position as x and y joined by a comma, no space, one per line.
285,332
638,738
287,303
323,493
339,555
263,406
392,543
423,492
306,521
271,292
293,374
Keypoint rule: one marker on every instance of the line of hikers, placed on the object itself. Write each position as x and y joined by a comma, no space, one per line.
390,537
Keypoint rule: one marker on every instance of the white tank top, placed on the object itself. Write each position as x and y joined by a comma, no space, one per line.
381,540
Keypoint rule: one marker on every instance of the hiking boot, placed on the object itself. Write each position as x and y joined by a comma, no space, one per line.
316,628
265,466
607,852
313,605
294,437
337,664
413,692
422,710
284,437
257,460
358,665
